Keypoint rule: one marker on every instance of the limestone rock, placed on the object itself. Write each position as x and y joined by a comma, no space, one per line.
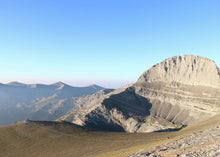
187,69
177,92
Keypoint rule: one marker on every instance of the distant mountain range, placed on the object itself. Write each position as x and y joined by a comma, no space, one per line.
179,91
38,101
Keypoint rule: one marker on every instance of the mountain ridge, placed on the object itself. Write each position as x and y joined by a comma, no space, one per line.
59,83
38,101
187,69
148,106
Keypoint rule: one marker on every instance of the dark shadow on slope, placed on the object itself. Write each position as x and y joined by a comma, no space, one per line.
102,124
127,103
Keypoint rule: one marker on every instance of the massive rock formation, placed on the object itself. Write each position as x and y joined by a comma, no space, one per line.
179,91
190,70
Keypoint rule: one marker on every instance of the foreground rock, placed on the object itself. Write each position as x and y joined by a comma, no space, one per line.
200,144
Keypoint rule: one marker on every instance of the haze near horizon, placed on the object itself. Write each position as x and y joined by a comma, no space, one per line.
108,43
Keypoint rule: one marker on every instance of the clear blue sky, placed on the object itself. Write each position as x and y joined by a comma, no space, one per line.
107,42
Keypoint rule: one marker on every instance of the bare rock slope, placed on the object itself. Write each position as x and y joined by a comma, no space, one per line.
177,92
191,70
203,139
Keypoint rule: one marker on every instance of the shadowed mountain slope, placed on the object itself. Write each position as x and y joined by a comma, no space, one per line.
177,92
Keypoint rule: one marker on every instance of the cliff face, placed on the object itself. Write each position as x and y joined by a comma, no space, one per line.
188,69
179,91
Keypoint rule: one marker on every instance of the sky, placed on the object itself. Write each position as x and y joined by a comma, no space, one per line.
105,42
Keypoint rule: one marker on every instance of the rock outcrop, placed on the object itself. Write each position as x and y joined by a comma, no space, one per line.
200,140
177,92
188,69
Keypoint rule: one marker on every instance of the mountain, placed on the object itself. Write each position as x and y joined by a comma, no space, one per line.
190,70
170,100
179,91
38,101
84,103
16,84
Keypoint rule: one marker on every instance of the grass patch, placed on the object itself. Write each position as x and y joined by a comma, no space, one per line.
65,139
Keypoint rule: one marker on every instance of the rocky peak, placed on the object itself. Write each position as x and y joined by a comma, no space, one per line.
187,69
16,84
59,83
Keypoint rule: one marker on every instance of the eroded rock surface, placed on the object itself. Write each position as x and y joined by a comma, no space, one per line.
177,92
199,144
188,69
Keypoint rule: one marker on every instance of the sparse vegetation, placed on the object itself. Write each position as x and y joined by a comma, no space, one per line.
55,139
42,138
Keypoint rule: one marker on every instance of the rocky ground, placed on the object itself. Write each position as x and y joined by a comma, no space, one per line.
204,143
